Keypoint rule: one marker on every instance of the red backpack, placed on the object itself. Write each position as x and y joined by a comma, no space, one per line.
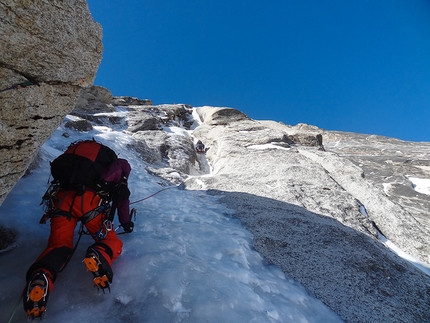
82,164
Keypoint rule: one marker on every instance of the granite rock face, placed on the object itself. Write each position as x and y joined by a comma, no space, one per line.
317,216
92,100
49,51
316,201
147,124
127,100
389,164
51,41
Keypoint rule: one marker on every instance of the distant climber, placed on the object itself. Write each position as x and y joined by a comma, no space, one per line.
200,148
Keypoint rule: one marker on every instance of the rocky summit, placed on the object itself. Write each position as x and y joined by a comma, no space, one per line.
319,203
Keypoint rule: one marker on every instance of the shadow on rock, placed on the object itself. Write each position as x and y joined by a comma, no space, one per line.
351,272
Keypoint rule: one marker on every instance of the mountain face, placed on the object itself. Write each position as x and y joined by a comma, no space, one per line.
317,202
315,214
48,52
389,164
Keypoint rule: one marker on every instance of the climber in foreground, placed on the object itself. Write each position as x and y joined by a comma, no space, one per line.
90,183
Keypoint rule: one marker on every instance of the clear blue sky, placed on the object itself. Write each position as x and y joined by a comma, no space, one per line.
349,65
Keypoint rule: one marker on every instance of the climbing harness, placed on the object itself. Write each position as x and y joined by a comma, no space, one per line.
49,199
104,207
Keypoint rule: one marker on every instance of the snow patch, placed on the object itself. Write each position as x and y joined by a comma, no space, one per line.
387,187
267,146
420,265
421,185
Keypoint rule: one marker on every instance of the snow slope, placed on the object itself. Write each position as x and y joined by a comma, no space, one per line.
188,259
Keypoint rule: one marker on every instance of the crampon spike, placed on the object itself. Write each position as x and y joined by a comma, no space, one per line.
37,296
36,313
92,264
102,282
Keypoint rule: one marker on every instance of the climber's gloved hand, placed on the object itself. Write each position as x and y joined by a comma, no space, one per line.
128,227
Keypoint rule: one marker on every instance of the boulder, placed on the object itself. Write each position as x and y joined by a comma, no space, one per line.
220,116
95,99
48,53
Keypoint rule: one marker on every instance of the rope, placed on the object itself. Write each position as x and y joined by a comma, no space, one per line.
16,306
22,85
81,232
164,189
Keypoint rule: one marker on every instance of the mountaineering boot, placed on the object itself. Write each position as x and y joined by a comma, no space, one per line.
100,268
36,296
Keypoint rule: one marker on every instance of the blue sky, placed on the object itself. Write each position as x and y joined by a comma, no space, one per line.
348,65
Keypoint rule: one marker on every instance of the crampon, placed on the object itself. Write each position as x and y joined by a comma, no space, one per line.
36,296
92,263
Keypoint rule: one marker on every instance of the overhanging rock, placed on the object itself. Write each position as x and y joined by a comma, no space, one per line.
52,49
